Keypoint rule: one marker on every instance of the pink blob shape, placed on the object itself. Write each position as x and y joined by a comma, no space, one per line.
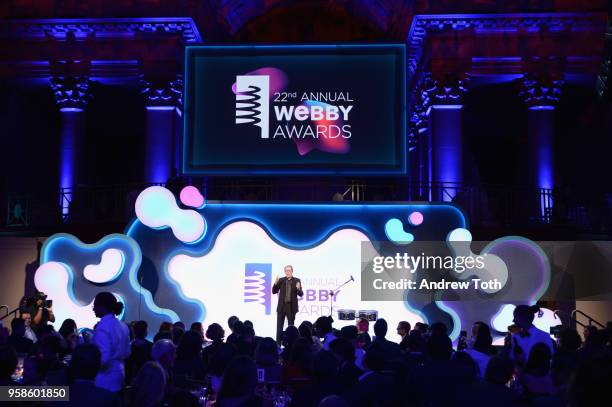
190,196
337,145
415,218
278,79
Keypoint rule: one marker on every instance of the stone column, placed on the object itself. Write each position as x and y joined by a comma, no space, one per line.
541,98
445,152
72,95
163,103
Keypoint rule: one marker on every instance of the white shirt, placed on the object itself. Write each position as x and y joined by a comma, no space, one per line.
527,342
29,333
113,339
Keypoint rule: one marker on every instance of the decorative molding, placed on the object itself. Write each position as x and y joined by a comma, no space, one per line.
428,93
424,91
424,26
540,93
70,91
80,29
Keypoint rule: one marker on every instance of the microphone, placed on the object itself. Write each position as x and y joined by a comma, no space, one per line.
352,279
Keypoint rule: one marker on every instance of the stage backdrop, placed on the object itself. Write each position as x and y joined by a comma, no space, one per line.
211,261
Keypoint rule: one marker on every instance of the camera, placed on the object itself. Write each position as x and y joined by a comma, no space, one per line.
32,301
556,330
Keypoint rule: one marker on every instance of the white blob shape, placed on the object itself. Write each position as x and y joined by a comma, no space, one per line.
156,208
52,278
460,235
108,269
217,279
503,319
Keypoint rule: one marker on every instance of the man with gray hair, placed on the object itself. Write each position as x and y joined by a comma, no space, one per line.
163,352
288,288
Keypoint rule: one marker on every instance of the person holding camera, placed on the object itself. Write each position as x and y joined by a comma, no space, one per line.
40,310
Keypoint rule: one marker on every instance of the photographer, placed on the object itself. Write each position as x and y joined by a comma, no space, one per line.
40,309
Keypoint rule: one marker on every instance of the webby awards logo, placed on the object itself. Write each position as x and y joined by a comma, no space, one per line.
253,102
312,119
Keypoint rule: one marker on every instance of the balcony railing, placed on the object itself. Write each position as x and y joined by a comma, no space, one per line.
484,205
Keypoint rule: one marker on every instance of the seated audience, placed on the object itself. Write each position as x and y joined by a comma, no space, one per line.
325,372
189,368
216,334
149,386
84,367
390,349
348,372
29,332
481,347
164,332
535,377
17,340
373,387
140,349
403,329
238,384
363,326
8,364
164,352
70,336
197,327
323,329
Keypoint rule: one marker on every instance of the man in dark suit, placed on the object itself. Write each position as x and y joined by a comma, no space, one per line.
288,289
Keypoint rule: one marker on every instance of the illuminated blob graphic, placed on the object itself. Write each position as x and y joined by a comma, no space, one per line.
73,272
200,265
107,270
55,280
415,218
249,260
394,229
156,208
191,196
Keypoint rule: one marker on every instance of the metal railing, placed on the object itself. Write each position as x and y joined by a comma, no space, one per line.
589,318
8,313
484,205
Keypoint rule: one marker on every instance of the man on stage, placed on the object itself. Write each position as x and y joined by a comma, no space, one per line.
289,288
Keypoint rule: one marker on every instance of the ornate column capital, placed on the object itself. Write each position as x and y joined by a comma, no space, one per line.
540,91
431,91
71,91
448,90
163,93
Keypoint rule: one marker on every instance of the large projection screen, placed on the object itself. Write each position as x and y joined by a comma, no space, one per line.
295,109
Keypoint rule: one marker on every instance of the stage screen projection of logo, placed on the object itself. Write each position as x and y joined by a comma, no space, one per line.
295,109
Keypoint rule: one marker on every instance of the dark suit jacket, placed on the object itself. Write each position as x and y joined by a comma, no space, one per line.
280,289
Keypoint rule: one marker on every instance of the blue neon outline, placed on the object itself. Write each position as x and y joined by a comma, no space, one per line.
400,168
132,272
